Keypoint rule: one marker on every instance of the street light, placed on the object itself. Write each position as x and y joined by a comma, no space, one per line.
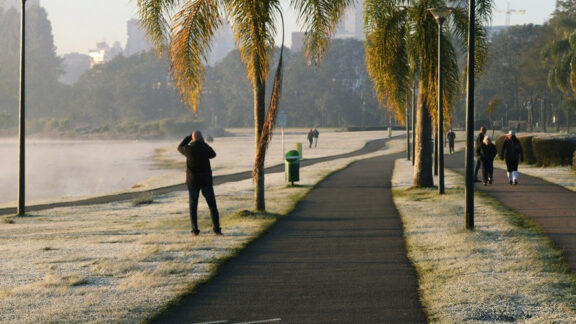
22,112
440,14
469,164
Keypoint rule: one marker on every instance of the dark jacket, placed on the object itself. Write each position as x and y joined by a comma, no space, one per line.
512,150
198,155
478,144
488,152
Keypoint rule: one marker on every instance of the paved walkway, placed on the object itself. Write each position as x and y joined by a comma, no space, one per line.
339,257
551,207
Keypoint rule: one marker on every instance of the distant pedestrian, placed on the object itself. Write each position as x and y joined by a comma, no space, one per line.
451,137
310,137
199,178
477,145
513,154
488,152
315,134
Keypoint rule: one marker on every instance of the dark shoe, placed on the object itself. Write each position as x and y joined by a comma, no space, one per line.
511,182
515,182
218,231
490,181
195,232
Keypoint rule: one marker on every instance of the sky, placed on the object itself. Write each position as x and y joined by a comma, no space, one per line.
77,25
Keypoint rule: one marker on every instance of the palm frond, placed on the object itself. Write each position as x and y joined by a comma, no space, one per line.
319,19
194,28
154,19
253,22
385,28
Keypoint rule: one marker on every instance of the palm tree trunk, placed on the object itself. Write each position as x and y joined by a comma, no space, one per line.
423,149
259,113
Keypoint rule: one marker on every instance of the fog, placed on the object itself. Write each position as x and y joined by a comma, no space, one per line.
59,168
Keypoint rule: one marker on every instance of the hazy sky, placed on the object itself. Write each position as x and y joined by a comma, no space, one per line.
78,25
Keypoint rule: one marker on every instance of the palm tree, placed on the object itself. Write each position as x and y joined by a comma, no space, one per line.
561,54
401,40
186,29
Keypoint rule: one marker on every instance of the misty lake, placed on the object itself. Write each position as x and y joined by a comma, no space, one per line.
70,168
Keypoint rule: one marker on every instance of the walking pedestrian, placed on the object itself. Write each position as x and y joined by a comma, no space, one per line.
488,152
310,137
199,178
451,137
315,134
513,154
477,145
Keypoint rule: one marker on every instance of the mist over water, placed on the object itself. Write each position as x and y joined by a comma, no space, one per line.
58,168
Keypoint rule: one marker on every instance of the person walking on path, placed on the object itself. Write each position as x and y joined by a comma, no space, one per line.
315,134
513,154
310,137
451,137
199,178
488,152
477,145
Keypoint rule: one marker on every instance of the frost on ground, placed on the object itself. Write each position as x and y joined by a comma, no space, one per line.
123,263
504,271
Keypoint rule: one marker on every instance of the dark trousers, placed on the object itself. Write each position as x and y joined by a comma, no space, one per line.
487,170
477,168
208,193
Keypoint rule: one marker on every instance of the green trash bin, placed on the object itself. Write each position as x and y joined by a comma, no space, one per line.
292,166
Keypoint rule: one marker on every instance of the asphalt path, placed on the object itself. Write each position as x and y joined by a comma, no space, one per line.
550,206
339,257
371,146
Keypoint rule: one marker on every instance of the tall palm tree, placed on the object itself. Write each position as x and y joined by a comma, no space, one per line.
186,28
401,43
561,54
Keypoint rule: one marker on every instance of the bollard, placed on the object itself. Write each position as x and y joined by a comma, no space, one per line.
298,147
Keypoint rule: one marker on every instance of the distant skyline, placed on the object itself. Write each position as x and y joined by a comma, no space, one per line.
77,25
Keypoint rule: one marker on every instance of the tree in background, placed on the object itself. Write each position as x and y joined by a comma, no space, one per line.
188,28
401,42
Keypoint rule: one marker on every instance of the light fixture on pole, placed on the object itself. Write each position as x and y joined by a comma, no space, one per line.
440,14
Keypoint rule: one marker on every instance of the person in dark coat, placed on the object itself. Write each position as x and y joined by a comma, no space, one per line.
513,154
310,137
477,145
199,178
487,154
451,137
315,134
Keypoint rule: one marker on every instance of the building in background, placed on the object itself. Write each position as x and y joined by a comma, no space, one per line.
74,65
104,53
136,41
352,22
222,45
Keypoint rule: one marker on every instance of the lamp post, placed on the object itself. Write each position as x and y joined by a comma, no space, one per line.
440,14
22,119
469,190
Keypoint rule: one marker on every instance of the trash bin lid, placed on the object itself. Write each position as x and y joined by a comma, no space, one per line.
292,155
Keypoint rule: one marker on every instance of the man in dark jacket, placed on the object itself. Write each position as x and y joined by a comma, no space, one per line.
513,154
199,178
477,145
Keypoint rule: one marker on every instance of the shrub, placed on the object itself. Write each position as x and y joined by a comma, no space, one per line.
550,151
527,149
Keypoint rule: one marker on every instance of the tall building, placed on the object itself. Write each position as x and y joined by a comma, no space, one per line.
352,22
136,41
222,45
